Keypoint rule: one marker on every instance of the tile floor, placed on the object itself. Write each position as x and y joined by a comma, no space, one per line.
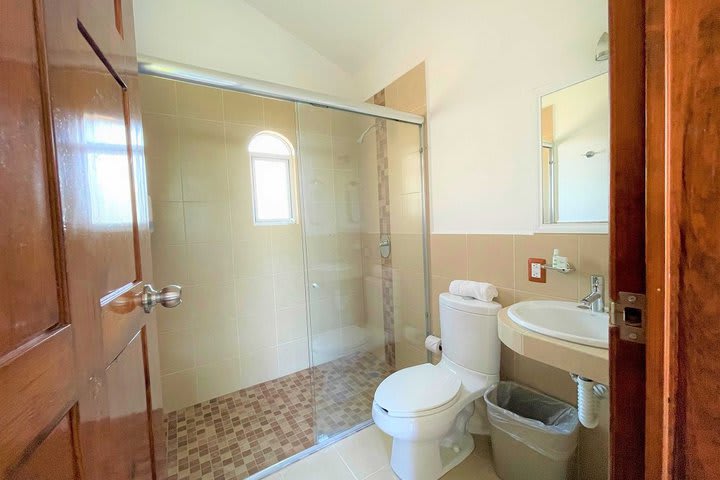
365,455
239,434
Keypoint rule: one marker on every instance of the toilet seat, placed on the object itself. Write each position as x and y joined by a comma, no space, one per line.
418,391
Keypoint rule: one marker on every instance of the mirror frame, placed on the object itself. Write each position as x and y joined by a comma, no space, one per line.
568,227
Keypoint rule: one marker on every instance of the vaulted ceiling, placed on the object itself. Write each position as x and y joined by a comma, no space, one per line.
347,32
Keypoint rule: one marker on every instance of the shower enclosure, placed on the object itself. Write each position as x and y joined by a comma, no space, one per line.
298,234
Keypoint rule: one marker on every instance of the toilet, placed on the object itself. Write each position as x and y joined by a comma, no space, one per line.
430,410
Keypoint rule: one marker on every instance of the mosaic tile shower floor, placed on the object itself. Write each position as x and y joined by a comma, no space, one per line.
236,435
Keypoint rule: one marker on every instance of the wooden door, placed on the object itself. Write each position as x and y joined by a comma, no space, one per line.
665,410
78,353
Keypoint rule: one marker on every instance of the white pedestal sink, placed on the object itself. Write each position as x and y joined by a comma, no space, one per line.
562,320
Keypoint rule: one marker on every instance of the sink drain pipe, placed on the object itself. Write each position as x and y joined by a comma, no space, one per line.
589,394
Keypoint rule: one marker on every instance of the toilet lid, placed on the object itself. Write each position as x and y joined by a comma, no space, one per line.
417,389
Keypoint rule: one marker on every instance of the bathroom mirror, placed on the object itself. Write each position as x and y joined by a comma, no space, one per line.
575,156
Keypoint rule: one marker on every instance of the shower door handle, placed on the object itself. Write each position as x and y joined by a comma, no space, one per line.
168,297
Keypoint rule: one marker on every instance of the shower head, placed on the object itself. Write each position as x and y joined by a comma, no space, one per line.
602,50
362,135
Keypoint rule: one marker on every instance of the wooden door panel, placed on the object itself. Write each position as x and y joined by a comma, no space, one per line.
128,411
53,458
37,389
37,366
28,297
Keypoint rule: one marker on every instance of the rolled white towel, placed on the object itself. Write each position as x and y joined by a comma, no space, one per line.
480,290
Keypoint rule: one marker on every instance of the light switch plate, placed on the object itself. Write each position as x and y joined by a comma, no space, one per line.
535,271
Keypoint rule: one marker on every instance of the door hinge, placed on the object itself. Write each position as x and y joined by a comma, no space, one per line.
628,313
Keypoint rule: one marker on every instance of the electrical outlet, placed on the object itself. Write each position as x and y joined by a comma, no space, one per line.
535,271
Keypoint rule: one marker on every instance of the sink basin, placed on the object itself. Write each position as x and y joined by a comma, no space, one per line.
562,320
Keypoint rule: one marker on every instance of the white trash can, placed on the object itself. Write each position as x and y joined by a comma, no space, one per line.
533,436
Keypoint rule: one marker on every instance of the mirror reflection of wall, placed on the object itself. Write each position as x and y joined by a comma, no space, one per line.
575,152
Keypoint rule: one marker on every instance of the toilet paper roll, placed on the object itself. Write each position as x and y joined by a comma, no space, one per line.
433,344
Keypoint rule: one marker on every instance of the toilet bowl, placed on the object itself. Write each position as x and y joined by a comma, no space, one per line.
427,408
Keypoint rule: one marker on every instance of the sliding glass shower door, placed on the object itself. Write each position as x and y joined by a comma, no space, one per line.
362,205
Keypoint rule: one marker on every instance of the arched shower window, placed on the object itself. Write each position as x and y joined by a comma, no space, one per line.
270,163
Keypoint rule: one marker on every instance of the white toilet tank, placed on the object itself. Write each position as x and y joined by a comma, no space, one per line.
469,332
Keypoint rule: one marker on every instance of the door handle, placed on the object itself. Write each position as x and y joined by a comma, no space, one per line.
168,297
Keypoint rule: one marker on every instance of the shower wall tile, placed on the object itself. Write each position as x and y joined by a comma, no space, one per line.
238,279
291,324
199,102
158,95
256,332
279,114
170,265
168,223
209,263
177,351
207,222
216,379
242,109
161,144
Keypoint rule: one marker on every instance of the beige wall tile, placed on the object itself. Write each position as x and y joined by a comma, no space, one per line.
322,251
177,351
209,263
287,252
324,315
541,246
449,256
210,305
506,297
199,102
258,366
256,296
243,108
279,114
252,258
438,286
203,160
318,185
491,259
593,258
213,345
216,379
346,153
315,119
351,310
157,95
291,324
179,390
207,222
170,265
161,143
547,379
324,283
293,356
168,223
290,288
316,151
256,332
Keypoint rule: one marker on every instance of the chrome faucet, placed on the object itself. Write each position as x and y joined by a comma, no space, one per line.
594,299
